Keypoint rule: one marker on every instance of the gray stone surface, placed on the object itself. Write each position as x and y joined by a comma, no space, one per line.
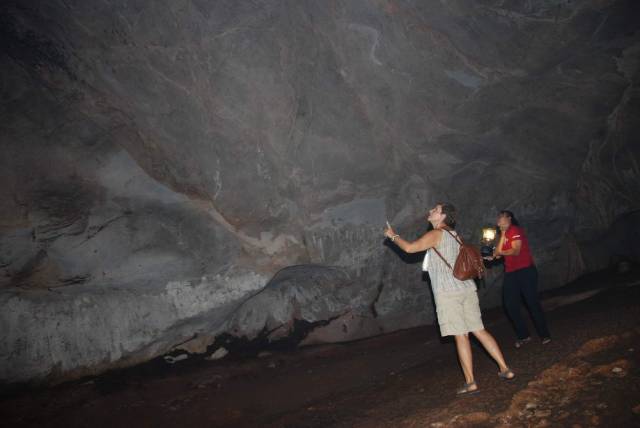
175,170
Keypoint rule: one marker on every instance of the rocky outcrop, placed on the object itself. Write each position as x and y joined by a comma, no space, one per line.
185,168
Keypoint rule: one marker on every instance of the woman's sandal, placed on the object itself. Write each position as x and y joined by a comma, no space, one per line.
507,374
520,342
465,390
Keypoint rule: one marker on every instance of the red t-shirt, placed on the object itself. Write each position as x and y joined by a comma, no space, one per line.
522,260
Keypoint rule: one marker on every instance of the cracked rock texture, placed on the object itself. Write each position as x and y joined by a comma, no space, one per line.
181,169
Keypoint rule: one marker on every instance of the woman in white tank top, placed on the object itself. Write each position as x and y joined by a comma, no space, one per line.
456,301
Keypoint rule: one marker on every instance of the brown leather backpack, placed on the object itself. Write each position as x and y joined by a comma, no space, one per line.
469,263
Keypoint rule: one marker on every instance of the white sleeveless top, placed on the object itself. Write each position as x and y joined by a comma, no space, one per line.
441,275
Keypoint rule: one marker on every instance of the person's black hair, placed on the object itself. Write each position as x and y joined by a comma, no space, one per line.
511,215
450,211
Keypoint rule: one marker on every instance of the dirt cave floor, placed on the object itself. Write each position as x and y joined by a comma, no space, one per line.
587,376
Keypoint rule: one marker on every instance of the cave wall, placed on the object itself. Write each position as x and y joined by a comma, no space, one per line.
172,171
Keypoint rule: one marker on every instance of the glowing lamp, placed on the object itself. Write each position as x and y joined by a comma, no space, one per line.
488,234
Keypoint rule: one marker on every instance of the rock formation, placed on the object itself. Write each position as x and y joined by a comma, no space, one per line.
178,170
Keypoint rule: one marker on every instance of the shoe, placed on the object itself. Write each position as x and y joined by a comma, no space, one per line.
508,374
546,340
520,342
465,390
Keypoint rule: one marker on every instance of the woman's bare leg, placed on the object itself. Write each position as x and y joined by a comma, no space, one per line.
463,346
490,344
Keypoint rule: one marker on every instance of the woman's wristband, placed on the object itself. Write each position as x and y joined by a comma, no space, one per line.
393,238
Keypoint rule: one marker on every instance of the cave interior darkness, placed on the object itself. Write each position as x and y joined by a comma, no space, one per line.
196,178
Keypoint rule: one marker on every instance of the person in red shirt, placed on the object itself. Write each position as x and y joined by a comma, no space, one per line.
520,279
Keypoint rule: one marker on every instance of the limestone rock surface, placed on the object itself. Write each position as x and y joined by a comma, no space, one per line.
185,168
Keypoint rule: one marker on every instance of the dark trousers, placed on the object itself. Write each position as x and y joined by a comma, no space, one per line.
519,285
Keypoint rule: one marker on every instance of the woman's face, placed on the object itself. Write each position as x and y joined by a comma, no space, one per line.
435,214
503,221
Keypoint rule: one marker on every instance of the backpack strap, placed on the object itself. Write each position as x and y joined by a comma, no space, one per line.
456,236
443,259
440,255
